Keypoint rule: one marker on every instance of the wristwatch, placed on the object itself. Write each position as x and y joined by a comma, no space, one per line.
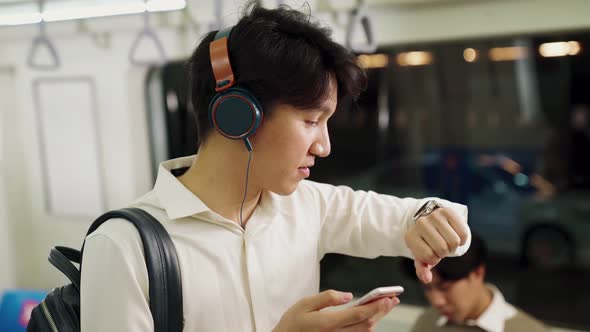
427,209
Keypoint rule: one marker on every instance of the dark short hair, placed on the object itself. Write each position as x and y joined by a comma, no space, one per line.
283,56
455,268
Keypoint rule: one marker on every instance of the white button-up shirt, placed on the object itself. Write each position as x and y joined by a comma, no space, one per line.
235,279
493,318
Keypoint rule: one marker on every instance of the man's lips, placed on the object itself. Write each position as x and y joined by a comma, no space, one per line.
304,171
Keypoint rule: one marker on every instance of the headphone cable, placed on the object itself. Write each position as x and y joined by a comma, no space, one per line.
245,189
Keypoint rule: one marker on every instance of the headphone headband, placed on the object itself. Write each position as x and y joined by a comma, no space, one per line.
219,53
234,111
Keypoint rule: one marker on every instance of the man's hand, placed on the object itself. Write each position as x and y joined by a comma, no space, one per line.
433,237
305,315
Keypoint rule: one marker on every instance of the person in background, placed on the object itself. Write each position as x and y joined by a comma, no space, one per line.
463,301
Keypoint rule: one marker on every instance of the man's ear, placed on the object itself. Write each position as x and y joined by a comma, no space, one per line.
479,273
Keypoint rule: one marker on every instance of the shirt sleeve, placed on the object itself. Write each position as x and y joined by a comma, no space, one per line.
114,283
368,224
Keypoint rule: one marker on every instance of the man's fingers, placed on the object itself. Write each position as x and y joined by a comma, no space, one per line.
423,271
351,316
448,233
427,276
430,233
421,250
370,322
443,231
457,223
388,307
322,300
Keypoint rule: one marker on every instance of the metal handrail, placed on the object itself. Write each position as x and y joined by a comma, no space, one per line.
359,16
146,33
39,41
218,24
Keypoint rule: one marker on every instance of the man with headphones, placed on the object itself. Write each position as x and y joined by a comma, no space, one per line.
248,228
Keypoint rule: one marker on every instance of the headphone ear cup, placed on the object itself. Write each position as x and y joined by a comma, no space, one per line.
235,113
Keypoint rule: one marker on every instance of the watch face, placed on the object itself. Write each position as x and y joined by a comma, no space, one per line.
429,206
427,209
422,210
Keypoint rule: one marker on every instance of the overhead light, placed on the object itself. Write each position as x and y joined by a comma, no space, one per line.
90,11
414,58
559,49
18,18
21,13
470,54
508,53
165,5
67,11
373,60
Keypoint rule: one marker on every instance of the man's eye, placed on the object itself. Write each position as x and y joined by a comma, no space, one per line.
311,123
445,288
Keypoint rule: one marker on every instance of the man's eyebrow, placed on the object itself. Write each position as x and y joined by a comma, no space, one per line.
326,109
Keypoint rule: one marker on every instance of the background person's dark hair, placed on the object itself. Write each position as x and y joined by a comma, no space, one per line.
282,56
455,268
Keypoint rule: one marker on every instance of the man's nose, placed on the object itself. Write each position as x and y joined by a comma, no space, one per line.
321,147
318,149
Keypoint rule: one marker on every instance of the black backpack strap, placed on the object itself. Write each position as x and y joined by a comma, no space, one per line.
61,258
165,284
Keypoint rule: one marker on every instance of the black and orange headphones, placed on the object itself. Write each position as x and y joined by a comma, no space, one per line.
234,111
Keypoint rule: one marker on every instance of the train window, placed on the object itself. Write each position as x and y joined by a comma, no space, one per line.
497,125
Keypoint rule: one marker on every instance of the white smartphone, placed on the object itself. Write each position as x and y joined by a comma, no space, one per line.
376,294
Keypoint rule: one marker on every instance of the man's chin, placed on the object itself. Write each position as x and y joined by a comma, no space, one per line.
286,190
454,319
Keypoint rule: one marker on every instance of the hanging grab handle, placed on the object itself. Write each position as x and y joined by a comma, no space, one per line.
359,18
218,24
147,33
39,42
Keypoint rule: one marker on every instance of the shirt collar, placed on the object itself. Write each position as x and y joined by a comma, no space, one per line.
176,199
493,318
179,202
